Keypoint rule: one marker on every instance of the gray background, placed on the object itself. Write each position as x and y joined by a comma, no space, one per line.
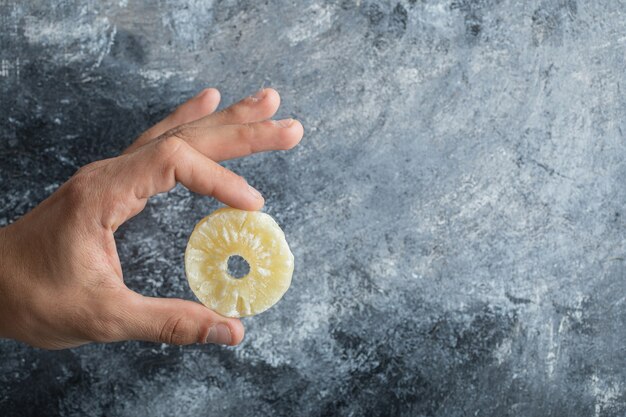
456,208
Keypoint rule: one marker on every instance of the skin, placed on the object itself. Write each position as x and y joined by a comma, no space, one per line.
61,282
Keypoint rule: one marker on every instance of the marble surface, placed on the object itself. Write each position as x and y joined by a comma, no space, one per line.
456,208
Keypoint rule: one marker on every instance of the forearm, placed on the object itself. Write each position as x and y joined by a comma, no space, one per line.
12,272
4,279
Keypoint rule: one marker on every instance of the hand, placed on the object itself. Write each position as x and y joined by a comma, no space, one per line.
61,281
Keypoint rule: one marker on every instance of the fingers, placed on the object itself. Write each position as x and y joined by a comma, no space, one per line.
260,106
186,153
197,107
198,112
158,166
235,141
177,322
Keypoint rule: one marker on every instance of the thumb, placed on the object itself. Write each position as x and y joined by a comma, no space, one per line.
178,322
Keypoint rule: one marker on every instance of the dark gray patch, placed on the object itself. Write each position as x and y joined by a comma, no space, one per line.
128,47
37,385
517,300
545,26
550,21
473,25
375,14
398,20
473,11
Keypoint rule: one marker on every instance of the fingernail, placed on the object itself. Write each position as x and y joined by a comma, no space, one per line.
284,122
219,334
254,192
258,96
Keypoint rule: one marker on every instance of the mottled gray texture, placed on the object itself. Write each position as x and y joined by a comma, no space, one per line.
456,208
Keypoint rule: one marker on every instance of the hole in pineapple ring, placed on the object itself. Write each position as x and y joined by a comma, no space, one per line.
238,267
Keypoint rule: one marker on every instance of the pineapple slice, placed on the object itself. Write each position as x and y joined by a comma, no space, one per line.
257,238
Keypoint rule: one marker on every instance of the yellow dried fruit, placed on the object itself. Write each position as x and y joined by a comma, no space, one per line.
222,236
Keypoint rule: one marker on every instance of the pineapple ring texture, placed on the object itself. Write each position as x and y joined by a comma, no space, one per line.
252,235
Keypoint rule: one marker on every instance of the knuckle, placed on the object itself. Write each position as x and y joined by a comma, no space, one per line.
87,184
76,188
222,175
174,330
233,113
230,111
170,145
88,168
246,132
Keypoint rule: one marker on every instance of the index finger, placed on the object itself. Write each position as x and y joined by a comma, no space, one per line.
160,165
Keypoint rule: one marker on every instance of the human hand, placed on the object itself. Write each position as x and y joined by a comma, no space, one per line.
61,282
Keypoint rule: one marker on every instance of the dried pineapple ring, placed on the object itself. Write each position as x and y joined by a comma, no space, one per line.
254,236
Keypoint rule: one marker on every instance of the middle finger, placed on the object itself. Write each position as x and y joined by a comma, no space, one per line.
220,143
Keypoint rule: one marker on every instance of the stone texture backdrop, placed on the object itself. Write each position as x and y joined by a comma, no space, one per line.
456,208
